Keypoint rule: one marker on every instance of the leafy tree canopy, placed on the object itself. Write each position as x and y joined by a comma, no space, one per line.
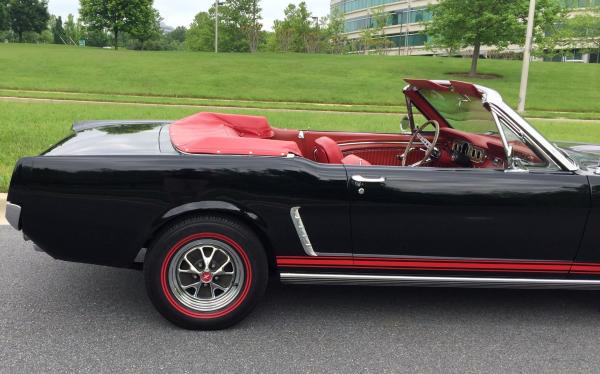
200,35
473,23
28,16
148,26
4,19
239,27
73,30
58,32
118,16
177,35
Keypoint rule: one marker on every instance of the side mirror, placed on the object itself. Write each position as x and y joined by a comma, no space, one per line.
405,124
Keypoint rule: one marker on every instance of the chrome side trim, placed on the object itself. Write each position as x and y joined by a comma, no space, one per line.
301,230
373,142
13,215
416,281
141,256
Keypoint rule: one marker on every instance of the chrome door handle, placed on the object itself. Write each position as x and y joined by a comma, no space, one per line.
361,179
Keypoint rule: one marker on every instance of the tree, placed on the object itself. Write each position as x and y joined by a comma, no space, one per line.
253,28
28,15
374,36
366,38
58,33
118,16
148,26
177,35
200,36
283,36
335,32
474,23
4,18
295,30
239,26
73,30
584,30
96,38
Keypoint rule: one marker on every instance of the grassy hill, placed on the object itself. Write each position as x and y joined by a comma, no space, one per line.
375,80
169,85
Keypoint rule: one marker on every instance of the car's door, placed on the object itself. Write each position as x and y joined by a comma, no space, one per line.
467,213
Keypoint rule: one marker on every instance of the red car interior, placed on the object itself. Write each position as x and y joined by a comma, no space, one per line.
328,151
214,133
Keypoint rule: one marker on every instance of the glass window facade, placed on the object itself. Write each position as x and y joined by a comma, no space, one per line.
573,4
414,40
400,17
348,6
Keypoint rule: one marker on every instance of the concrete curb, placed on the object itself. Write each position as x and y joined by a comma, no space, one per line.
3,208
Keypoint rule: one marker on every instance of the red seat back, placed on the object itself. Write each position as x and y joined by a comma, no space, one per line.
327,151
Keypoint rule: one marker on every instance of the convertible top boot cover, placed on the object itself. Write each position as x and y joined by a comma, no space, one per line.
216,133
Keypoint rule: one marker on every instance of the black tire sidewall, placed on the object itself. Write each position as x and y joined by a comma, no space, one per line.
234,231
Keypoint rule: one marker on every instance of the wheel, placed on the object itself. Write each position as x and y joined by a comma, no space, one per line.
206,273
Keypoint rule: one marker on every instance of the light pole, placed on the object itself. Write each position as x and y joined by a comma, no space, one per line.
526,57
406,44
217,3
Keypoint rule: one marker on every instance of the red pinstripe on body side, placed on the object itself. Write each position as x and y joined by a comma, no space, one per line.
483,265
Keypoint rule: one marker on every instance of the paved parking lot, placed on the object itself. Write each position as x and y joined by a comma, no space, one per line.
57,316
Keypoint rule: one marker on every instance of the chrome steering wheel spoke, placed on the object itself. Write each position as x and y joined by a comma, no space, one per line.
429,146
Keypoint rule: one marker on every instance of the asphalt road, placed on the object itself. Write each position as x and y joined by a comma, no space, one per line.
57,316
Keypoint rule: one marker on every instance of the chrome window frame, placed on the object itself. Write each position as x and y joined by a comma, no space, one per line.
497,105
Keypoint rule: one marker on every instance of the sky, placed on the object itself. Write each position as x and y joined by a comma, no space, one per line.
182,12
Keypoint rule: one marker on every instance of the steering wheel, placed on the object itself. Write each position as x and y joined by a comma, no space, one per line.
418,135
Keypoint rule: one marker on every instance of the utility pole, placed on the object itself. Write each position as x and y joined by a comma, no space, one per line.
526,57
406,44
216,26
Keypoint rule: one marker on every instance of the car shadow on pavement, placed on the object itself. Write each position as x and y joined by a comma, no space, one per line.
120,292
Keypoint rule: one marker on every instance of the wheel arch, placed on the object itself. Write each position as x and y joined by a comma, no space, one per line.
215,208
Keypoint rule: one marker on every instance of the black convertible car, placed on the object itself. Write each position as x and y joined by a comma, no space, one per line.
467,193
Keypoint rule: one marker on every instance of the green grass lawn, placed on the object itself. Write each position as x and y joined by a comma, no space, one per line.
373,80
30,128
176,84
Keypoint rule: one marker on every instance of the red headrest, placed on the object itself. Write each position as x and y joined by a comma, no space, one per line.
327,151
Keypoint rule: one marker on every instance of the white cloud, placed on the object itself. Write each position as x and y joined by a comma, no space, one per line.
182,12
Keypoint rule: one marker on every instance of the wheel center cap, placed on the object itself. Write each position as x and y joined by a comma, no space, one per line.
206,277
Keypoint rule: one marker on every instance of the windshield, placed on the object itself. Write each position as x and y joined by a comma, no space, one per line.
462,112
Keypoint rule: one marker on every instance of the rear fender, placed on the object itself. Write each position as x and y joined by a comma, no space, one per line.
212,207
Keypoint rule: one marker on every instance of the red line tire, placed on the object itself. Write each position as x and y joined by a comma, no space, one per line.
232,250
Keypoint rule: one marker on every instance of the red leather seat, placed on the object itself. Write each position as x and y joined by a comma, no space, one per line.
327,151
355,160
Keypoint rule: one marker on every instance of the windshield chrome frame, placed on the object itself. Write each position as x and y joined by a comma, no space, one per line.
410,114
494,99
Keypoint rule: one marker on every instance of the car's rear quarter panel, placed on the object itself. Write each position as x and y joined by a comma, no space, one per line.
104,209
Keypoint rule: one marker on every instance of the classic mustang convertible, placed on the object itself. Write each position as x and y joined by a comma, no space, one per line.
467,193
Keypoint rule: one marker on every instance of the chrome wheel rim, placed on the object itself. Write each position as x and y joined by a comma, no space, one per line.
206,275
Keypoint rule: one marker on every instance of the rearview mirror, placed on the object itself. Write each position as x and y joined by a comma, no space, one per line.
405,124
